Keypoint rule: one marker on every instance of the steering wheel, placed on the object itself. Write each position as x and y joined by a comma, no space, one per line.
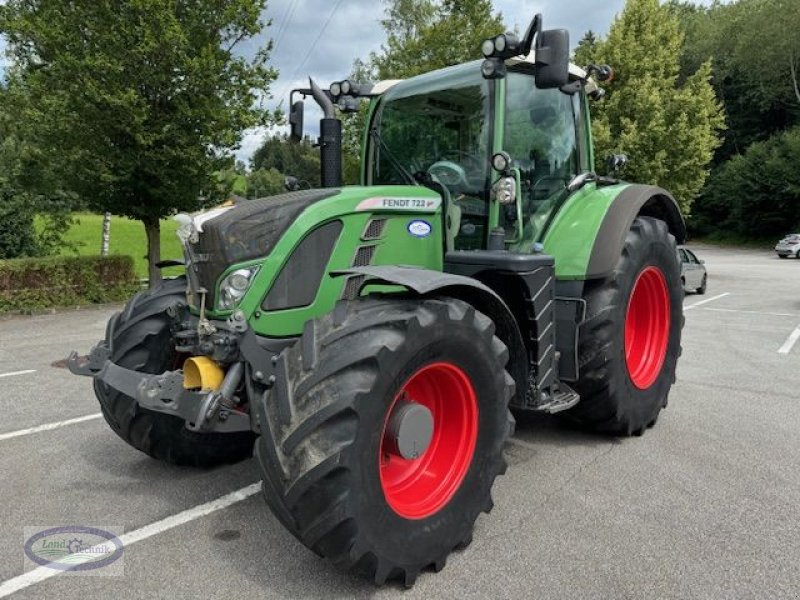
449,174
473,163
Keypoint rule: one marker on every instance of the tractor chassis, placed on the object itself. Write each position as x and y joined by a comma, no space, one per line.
256,364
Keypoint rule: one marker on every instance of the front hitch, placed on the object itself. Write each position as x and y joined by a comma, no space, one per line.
165,393
94,362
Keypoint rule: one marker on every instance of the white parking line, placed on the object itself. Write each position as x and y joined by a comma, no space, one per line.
48,426
14,373
752,312
706,301
39,574
790,341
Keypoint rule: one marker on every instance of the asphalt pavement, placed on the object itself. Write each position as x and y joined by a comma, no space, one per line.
705,505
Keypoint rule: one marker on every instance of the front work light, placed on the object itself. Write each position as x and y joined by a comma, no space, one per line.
493,68
501,162
503,46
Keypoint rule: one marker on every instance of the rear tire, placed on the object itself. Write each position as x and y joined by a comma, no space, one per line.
702,289
329,476
625,379
141,339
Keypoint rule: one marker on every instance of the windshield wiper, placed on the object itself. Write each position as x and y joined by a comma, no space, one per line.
376,137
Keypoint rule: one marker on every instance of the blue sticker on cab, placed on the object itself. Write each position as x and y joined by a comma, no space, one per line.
419,229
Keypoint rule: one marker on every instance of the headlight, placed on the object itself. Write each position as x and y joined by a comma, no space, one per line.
233,287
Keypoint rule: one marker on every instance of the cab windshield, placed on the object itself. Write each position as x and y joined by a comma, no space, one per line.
438,125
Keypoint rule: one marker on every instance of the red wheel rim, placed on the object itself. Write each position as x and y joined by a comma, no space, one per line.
418,488
647,327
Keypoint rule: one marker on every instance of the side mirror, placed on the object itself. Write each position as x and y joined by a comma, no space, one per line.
296,121
552,59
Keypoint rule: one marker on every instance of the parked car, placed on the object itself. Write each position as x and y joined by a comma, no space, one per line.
789,246
693,271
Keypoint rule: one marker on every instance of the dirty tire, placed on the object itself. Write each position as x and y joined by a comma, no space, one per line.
610,400
321,448
140,339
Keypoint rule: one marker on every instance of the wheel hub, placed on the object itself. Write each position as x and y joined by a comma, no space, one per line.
428,440
410,429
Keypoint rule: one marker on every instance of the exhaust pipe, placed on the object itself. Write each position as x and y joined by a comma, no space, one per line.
330,139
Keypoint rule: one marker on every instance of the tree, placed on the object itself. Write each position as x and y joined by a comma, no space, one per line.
299,160
265,182
27,193
586,49
669,128
755,194
755,58
137,104
424,35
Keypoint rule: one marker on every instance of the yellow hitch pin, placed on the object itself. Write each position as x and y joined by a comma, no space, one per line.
203,373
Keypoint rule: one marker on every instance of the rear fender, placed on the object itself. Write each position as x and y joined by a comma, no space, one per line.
634,201
588,233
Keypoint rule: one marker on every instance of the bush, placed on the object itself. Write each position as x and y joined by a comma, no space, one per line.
35,283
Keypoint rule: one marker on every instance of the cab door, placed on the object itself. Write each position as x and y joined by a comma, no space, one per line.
543,133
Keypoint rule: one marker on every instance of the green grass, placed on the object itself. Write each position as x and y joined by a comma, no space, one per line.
127,237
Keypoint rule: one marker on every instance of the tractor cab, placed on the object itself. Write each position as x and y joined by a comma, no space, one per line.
479,141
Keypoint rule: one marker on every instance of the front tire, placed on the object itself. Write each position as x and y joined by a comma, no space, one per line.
332,473
631,340
141,339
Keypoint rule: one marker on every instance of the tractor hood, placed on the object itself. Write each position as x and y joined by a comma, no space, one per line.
264,231
246,231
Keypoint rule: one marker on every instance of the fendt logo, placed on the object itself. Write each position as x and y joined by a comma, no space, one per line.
411,204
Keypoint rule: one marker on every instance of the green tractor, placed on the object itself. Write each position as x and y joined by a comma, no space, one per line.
373,341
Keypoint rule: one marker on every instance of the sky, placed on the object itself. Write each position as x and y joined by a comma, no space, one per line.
322,38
